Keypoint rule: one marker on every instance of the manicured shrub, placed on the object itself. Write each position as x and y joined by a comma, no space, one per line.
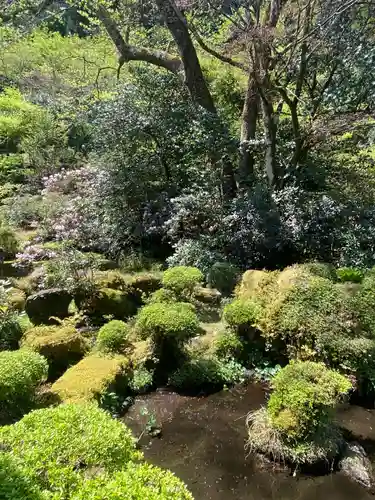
298,424
182,279
304,394
137,482
93,377
206,373
10,329
9,243
350,274
113,336
228,345
162,295
62,346
241,315
318,269
257,284
56,447
223,276
176,320
13,485
21,372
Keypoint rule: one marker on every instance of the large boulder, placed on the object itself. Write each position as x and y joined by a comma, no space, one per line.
42,306
356,465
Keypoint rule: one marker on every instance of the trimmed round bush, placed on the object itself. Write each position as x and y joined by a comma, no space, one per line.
182,278
113,336
9,243
298,424
304,394
21,372
10,330
223,276
137,482
56,447
228,345
177,321
241,314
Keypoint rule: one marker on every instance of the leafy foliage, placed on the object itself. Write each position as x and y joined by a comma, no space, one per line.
139,482
175,320
182,279
54,447
21,372
113,337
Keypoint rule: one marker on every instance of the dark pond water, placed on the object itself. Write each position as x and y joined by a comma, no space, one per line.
203,443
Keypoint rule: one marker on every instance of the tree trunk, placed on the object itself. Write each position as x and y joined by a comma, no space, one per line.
248,129
270,128
194,79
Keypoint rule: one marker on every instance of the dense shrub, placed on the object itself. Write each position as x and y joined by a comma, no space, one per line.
142,379
56,447
113,336
298,424
176,320
10,330
138,482
9,243
241,315
349,274
21,372
223,276
162,295
228,345
13,485
182,279
110,279
92,378
206,373
304,394
62,346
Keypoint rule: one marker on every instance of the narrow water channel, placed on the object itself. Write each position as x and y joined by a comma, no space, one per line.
203,443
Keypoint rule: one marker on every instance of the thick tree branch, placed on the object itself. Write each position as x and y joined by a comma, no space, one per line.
129,52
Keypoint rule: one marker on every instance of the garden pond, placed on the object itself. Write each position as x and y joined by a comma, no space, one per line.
203,441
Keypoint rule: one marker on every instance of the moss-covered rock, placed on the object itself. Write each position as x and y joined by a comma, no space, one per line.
44,305
108,302
92,378
61,346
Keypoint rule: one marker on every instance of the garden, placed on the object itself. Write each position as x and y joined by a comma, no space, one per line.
187,250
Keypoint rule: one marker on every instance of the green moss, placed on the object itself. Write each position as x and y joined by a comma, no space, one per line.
61,346
92,378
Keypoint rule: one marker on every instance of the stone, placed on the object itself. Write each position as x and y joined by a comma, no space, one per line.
41,306
356,465
207,295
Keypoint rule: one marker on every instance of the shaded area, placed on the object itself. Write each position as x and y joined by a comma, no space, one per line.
203,442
